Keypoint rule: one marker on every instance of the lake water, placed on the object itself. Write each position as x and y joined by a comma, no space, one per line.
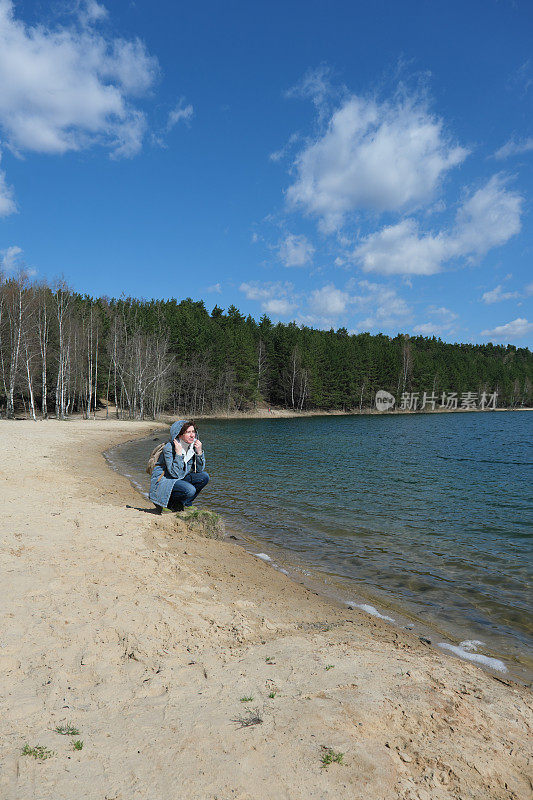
424,517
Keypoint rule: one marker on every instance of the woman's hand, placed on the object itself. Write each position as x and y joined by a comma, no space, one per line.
178,447
198,446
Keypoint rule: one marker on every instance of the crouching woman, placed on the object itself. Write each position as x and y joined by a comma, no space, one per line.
179,473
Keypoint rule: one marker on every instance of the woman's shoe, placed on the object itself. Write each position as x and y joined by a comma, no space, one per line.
158,509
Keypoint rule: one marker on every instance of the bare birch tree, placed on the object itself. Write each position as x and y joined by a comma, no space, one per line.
13,292
62,303
29,348
43,330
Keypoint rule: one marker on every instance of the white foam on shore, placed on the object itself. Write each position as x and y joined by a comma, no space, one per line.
370,610
263,556
467,650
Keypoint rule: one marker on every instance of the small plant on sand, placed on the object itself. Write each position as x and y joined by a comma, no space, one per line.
207,523
272,695
77,745
250,718
39,752
329,666
270,660
329,756
246,699
67,730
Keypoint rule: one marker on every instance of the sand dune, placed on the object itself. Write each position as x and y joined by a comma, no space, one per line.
147,638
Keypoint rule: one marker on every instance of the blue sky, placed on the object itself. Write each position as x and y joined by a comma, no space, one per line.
364,165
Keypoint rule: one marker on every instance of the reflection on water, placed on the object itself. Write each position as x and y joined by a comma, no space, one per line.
427,513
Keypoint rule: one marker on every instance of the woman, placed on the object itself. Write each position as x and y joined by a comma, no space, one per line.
178,476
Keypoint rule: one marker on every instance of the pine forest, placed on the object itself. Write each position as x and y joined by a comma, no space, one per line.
63,353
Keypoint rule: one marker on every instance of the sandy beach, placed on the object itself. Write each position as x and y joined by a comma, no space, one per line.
194,671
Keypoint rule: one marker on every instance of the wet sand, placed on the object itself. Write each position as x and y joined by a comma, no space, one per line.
150,639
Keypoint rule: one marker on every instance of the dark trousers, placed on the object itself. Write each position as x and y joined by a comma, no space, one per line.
187,489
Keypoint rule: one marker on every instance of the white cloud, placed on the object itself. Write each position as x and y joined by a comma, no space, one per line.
261,291
276,298
518,327
280,154
402,249
514,148
444,314
296,251
522,77
216,288
279,308
91,12
487,219
385,307
444,322
317,86
181,112
7,196
316,321
328,306
429,329
496,295
69,88
328,301
378,157
9,258
325,306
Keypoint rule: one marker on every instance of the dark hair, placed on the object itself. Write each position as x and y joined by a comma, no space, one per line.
187,425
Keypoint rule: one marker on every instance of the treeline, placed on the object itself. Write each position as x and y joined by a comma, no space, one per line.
61,353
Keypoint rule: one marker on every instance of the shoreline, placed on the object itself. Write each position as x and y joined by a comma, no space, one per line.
444,631
150,637
260,413
345,592
440,637
285,413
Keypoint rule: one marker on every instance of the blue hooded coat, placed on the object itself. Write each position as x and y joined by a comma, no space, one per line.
170,468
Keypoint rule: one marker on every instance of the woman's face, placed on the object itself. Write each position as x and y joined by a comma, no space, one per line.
189,435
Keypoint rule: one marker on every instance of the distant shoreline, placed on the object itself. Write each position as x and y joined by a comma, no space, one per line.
273,413
264,413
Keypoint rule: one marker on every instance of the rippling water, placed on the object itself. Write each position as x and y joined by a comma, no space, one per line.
429,515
